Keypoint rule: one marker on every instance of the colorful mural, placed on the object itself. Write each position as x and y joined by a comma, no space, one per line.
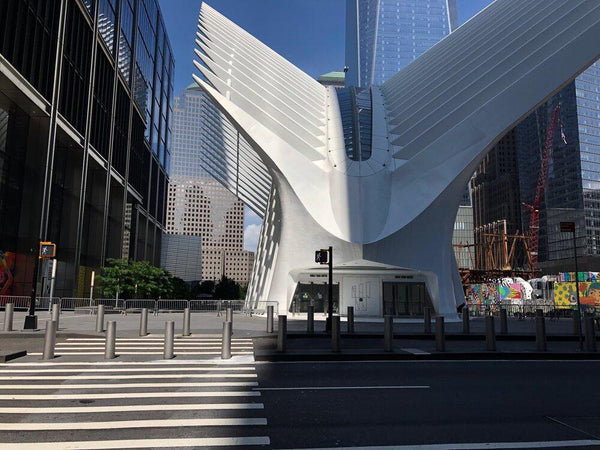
7,272
509,292
589,295
482,294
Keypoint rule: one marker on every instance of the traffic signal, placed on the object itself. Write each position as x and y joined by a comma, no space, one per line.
47,250
322,256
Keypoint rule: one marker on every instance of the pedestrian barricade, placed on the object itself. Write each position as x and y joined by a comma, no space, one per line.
136,305
47,302
204,305
20,302
175,305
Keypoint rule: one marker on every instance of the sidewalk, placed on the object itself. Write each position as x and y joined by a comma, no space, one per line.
410,342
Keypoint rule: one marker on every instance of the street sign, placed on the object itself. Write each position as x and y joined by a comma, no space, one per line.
322,256
47,250
567,227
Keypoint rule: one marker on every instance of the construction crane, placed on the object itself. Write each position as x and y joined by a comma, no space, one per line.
534,208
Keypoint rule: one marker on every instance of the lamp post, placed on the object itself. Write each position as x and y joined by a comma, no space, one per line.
325,256
31,318
569,227
92,287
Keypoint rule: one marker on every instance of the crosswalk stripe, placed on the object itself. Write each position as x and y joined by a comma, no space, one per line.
128,377
132,408
121,395
150,347
188,370
151,364
138,353
141,443
128,385
177,339
151,344
123,424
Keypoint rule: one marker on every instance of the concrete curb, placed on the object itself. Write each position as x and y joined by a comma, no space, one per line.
5,357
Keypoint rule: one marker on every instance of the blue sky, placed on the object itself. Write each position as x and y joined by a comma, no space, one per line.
309,33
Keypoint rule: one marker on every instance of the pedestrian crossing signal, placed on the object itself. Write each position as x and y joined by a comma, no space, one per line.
47,250
322,256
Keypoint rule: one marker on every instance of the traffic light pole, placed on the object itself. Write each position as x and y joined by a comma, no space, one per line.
330,305
31,318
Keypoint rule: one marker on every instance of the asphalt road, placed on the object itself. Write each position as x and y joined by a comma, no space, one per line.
510,404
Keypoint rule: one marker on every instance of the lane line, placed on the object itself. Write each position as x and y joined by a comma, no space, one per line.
141,443
121,395
337,388
129,377
131,408
125,424
128,385
478,445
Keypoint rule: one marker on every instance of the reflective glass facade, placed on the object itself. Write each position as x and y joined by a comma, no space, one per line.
384,36
102,195
573,187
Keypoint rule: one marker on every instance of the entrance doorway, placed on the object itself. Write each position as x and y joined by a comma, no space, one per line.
405,299
312,294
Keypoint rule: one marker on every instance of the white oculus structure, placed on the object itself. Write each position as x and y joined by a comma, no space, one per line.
378,173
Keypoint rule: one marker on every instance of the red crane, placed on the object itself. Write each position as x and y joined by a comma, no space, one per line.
534,208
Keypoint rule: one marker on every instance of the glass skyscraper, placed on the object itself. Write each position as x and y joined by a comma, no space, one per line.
573,187
85,105
384,36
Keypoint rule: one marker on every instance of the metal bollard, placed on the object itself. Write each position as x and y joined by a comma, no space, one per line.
56,314
281,333
539,312
350,323
49,339
590,334
144,322
111,336
186,322
427,320
229,315
440,334
335,334
388,333
270,311
503,321
8,316
310,320
226,340
465,320
100,319
540,332
490,334
169,340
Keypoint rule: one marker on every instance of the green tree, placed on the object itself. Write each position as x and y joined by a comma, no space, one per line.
139,279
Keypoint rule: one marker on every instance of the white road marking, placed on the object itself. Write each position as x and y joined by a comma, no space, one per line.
131,408
177,339
129,377
415,351
140,443
128,385
139,353
121,395
119,364
337,388
124,424
188,370
478,445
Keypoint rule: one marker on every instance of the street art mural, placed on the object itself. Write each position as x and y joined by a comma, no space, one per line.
566,298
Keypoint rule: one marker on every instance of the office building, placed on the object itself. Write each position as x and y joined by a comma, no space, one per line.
378,174
197,204
573,182
85,91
